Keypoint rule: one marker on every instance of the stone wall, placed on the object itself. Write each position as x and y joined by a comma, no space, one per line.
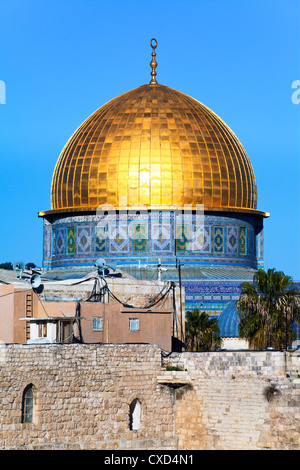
238,400
83,394
221,400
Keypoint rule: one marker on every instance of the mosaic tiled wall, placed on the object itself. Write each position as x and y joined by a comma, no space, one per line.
211,297
215,238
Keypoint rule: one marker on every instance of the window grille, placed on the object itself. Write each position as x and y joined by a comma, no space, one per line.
134,324
97,324
42,329
27,405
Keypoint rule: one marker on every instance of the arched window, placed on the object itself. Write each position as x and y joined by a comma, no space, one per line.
135,415
28,404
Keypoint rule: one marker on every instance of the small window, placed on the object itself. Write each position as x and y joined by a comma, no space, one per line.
134,324
27,404
135,415
42,329
64,331
97,324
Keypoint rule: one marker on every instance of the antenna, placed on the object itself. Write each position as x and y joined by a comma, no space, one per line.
19,267
160,269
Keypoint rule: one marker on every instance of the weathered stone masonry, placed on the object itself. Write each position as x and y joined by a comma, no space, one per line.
83,397
239,400
226,400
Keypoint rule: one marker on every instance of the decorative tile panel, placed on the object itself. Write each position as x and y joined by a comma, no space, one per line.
182,238
47,243
53,242
161,237
218,239
139,238
84,240
232,240
243,240
202,239
70,240
118,238
250,242
60,241
101,239
259,245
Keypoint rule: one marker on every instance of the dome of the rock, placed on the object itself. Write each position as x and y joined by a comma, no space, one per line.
155,147
152,181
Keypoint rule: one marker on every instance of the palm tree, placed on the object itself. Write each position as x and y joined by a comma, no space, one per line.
267,308
202,333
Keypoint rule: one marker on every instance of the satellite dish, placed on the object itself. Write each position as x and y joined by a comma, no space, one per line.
19,267
35,281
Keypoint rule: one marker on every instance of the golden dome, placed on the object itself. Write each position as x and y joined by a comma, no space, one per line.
154,147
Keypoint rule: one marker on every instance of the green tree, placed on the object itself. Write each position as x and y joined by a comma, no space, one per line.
6,265
30,265
201,332
267,308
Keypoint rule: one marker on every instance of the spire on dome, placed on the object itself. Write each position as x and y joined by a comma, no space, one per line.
153,63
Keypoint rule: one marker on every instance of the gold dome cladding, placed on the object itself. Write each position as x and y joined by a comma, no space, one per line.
155,147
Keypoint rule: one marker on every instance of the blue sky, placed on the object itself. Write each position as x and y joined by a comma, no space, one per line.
62,59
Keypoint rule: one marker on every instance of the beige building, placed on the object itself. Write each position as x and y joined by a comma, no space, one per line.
89,310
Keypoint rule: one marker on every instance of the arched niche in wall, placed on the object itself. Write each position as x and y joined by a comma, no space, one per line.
135,415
